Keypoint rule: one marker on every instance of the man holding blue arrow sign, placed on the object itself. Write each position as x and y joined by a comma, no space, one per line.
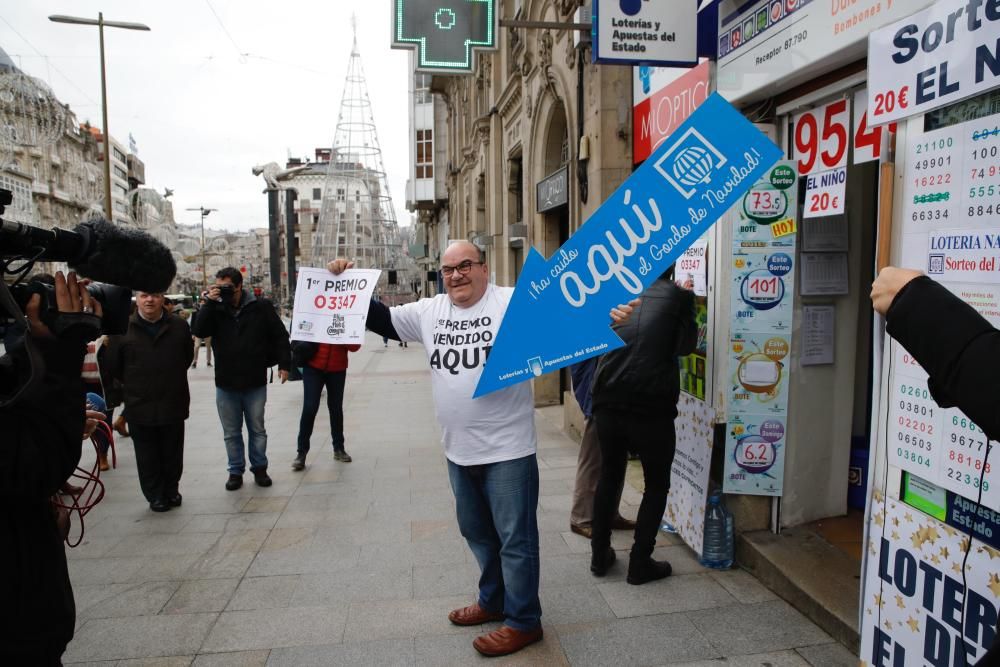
558,315
489,442
484,341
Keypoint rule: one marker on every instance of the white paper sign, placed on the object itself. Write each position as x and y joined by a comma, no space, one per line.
965,255
821,137
823,273
657,33
825,193
692,268
870,142
332,308
817,335
935,57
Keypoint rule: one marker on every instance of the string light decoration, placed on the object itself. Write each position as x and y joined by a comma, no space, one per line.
31,117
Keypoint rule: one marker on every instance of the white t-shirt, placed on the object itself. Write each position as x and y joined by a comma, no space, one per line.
496,427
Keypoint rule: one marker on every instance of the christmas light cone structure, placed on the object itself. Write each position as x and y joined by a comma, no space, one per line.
357,219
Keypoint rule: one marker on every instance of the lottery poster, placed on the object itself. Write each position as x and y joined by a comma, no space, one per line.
761,293
755,455
761,311
916,607
758,382
951,231
332,308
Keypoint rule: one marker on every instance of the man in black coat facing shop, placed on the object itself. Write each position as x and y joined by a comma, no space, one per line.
247,339
635,394
151,361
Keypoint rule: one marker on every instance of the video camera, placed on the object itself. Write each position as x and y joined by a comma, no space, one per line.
121,259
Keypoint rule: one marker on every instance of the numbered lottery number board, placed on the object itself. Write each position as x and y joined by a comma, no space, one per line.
332,308
951,222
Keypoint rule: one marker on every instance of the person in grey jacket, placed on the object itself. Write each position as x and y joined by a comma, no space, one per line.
635,394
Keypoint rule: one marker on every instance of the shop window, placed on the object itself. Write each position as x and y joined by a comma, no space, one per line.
425,154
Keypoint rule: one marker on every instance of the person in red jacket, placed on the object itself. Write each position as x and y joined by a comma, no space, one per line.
325,366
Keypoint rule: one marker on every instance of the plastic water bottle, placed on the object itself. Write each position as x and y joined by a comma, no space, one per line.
668,527
717,550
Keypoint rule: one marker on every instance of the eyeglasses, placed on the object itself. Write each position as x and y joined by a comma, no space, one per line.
463,268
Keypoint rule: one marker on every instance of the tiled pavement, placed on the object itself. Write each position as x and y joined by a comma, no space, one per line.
358,564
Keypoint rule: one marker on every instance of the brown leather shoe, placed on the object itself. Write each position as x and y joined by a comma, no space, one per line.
506,640
473,615
584,531
621,523
102,463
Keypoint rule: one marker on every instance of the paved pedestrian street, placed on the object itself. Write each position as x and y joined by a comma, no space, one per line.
359,563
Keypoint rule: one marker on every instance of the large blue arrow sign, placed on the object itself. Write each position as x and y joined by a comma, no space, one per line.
559,312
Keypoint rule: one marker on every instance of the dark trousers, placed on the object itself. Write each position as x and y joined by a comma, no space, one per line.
313,382
159,456
652,437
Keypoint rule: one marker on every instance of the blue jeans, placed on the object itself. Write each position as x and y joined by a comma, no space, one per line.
233,407
496,505
313,382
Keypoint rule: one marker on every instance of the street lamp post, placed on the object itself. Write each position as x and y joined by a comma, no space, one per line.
204,272
100,23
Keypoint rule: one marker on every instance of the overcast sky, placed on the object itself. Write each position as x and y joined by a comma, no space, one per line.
207,97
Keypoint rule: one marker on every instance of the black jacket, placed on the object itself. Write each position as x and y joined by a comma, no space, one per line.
957,347
153,370
244,339
644,376
41,447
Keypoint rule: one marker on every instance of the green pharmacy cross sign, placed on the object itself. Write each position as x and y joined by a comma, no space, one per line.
444,33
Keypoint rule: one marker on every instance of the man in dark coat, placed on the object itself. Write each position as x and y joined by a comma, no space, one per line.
151,361
635,394
42,407
248,337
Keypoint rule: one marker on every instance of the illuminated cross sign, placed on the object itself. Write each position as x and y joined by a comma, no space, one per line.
444,33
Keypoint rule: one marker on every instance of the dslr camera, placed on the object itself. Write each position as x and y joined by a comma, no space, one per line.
226,291
116,304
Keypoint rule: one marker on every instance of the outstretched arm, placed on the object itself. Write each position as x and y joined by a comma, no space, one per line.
379,317
957,347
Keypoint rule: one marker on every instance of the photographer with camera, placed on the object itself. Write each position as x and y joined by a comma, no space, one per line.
247,339
43,409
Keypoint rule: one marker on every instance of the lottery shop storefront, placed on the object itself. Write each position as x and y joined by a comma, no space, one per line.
896,163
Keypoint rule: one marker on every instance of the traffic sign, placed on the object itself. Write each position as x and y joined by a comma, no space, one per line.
445,33
558,314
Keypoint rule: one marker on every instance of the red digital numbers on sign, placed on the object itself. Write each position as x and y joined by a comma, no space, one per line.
822,137
334,302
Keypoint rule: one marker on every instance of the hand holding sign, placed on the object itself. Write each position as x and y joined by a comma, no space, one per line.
332,308
558,314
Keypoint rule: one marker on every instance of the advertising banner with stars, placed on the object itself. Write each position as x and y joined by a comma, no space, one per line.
916,610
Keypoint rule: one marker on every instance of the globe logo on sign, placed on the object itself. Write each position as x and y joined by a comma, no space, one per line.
630,7
691,161
693,166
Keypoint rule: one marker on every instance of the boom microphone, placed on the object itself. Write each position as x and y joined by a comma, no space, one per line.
95,249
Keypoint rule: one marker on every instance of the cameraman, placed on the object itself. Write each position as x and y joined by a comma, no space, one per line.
43,411
247,339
